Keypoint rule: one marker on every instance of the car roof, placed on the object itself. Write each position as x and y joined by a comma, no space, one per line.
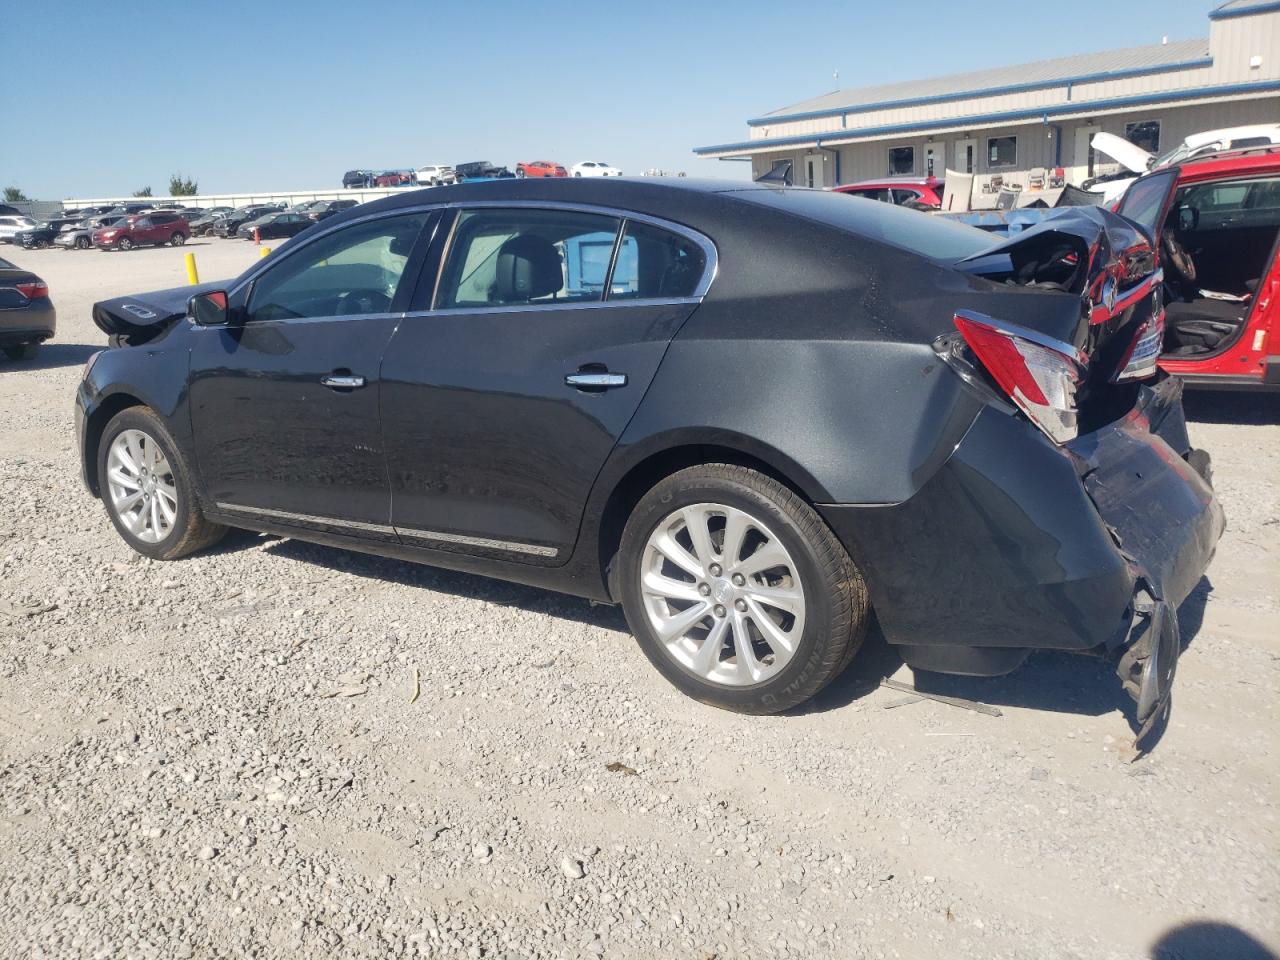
1248,160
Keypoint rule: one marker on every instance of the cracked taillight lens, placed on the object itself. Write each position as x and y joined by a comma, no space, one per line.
1039,378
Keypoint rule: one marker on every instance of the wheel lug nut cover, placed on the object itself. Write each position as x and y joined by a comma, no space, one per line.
715,569
704,589
719,611
741,605
739,579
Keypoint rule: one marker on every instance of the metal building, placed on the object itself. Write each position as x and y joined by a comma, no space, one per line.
1002,124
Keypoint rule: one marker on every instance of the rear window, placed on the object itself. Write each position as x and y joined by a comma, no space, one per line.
938,238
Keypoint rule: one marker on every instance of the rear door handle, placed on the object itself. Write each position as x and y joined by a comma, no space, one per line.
342,381
595,381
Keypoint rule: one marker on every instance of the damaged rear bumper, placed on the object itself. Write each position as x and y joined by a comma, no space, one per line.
1016,544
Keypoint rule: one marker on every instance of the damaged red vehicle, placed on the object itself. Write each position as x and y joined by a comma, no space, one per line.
1221,254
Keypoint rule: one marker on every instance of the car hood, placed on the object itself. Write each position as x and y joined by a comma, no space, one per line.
1123,152
143,316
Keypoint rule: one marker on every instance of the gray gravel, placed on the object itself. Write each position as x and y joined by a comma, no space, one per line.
222,757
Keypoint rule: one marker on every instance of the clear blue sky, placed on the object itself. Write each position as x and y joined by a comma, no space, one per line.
102,97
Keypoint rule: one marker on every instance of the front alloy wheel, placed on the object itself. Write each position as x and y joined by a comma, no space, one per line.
737,591
143,481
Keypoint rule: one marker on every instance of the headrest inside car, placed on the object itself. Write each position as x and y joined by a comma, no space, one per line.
528,268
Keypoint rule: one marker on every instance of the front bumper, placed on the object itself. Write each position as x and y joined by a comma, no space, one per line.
1016,544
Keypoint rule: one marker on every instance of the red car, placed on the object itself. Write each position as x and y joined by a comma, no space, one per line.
393,178
157,228
925,191
540,168
1222,272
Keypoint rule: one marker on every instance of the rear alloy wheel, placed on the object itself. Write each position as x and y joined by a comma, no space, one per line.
146,487
178,239
82,243
124,243
737,591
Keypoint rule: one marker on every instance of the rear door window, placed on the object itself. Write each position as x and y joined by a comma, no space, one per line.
518,257
656,263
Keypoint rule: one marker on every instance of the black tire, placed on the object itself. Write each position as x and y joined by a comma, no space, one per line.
23,351
178,239
520,173
190,531
83,243
124,243
40,244
836,609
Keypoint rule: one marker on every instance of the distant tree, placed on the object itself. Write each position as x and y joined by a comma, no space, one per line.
180,186
13,195
144,192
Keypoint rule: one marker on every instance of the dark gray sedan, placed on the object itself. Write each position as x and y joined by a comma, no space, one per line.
27,317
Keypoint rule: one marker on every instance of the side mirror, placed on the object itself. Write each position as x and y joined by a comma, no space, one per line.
1188,218
209,309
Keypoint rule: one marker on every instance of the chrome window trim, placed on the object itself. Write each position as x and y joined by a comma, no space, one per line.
566,305
510,546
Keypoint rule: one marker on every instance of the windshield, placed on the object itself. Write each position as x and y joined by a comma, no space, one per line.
938,238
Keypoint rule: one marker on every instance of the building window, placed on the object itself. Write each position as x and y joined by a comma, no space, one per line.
902,160
1002,152
1144,134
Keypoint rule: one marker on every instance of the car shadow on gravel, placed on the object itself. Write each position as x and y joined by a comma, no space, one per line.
1209,938
1050,680
53,355
440,580
1204,406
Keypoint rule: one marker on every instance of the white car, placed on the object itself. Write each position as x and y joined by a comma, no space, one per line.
1139,161
434,174
10,225
594,168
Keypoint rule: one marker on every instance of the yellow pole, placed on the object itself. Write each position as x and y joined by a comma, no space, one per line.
265,251
193,275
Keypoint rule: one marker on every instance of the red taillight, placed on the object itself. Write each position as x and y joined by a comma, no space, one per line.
1040,375
33,289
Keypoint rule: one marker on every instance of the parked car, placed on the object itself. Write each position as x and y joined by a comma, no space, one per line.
1030,486
146,229
480,170
204,226
233,221
1137,161
355,179
394,178
323,209
11,226
27,317
44,233
434,174
81,236
594,168
904,191
275,225
192,214
540,168
127,209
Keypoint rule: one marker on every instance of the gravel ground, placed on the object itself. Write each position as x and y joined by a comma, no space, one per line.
224,756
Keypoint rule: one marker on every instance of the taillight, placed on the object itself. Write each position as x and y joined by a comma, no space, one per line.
32,289
1143,355
1039,374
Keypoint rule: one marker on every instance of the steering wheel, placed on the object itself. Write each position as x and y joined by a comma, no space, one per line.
358,302
1177,257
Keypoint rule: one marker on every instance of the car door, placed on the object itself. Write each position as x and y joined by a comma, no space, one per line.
284,400
504,395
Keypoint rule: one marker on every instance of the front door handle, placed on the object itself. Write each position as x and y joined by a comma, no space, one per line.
595,381
342,381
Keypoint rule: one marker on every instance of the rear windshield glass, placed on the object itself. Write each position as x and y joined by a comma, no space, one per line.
927,234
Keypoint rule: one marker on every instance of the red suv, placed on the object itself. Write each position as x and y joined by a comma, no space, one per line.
158,228
1219,251
920,191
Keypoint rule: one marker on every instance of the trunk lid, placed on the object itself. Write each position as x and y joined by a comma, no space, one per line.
141,317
